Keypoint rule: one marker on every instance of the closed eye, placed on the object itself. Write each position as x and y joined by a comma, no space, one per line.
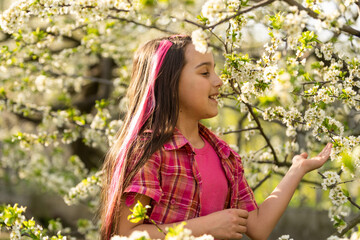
205,73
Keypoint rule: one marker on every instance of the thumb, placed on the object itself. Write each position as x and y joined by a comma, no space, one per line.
304,155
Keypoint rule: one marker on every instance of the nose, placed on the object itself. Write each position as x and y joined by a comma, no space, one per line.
217,81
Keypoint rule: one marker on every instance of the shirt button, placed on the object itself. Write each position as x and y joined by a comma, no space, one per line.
172,201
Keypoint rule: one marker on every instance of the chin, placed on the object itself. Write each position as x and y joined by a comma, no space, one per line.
211,115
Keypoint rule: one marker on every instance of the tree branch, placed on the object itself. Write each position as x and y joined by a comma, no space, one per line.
313,14
142,24
262,132
238,13
241,130
260,4
353,202
352,223
262,181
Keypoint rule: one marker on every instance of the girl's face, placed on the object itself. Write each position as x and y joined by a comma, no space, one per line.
198,86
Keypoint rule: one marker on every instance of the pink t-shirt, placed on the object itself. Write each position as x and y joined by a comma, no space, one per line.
214,183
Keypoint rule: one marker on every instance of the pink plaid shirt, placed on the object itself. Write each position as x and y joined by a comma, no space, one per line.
172,180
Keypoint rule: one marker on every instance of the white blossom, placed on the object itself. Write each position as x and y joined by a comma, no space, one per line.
199,40
214,10
337,197
285,237
330,180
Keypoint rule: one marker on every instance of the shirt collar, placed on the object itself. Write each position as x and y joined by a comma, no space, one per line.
178,141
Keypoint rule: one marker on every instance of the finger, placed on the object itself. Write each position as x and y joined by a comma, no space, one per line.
326,149
325,153
241,229
237,236
242,221
243,213
304,155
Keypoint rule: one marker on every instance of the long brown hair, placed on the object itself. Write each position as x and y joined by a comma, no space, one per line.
156,130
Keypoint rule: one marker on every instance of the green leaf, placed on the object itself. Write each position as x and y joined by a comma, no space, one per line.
347,161
138,213
346,192
2,93
93,31
277,20
103,103
202,19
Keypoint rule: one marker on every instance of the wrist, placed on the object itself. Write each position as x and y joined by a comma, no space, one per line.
297,169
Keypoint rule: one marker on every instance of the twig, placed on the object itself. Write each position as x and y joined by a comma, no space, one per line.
353,202
142,24
314,82
260,149
160,230
263,3
279,164
262,132
238,13
262,181
241,130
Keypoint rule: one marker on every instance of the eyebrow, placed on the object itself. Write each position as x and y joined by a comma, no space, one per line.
205,63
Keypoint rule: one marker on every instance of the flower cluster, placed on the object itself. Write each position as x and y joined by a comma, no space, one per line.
291,147
13,219
320,123
248,78
337,214
84,11
234,33
87,228
214,10
289,118
285,237
55,173
343,144
88,188
199,40
233,5
331,179
294,24
325,51
337,196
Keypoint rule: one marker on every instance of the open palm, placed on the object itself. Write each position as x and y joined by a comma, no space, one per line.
309,164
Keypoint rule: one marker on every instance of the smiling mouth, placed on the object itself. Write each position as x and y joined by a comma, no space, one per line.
214,97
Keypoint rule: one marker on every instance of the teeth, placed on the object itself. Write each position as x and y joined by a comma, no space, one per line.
213,97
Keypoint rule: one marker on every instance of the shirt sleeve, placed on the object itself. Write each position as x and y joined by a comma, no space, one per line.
146,181
245,194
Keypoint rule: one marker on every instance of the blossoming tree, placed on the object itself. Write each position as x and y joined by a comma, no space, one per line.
290,69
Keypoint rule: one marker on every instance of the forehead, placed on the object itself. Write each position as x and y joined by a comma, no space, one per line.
193,57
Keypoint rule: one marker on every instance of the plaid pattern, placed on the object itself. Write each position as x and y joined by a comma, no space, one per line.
172,180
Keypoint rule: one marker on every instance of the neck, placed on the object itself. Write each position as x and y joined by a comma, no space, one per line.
190,130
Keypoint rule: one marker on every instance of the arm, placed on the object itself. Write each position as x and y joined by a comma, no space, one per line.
225,224
262,221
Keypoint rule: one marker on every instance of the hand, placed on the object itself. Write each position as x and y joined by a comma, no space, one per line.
228,223
313,163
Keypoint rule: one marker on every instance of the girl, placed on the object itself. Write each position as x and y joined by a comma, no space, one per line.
166,159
